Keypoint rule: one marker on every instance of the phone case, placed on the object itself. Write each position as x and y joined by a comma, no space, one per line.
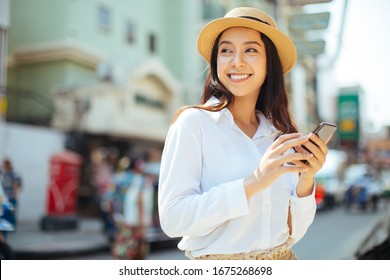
325,131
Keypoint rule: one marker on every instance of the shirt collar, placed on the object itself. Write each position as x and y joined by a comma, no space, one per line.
216,115
265,128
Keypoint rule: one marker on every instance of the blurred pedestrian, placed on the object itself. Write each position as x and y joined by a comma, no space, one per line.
12,185
121,181
132,187
101,178
227,185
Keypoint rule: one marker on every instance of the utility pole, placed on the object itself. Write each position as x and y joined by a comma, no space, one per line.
4,23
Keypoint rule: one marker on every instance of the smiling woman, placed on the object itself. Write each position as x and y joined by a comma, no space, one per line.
225,186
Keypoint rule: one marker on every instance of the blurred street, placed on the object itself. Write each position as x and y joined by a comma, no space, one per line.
334,235
94,90
338,235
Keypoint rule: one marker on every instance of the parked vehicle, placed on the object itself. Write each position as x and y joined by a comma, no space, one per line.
363,189
385,178
330,189
6,225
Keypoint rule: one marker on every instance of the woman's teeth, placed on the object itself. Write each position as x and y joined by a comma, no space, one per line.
239,77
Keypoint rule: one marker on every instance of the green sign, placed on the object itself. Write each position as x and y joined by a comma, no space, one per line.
348,116
310,47
305,22
305,2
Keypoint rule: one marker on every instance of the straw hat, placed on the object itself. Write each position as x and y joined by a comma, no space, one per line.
252,18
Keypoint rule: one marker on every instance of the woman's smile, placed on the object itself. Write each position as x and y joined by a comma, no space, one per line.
239,77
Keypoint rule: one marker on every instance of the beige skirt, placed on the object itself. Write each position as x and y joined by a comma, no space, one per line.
281,252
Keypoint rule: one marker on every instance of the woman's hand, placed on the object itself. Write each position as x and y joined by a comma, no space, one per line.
275,162
319,150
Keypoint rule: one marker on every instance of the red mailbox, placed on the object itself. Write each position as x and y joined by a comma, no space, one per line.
62,193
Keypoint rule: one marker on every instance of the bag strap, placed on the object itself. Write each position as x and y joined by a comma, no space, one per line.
289,219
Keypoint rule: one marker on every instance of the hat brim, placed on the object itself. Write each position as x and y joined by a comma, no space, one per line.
285,47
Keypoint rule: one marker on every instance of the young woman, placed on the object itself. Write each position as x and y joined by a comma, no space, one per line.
233,182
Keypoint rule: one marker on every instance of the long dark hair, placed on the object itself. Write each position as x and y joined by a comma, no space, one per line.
272,101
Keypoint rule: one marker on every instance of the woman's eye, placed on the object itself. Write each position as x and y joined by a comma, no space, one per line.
225,51
251,50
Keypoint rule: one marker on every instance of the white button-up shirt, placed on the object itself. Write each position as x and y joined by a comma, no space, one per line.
201,190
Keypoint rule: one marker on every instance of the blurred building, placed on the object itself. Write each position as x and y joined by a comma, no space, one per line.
80,52
113,73
106,73
57,47
107,68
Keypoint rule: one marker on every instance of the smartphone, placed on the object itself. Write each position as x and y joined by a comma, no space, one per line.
325,131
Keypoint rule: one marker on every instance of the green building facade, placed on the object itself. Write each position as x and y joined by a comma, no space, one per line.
71,43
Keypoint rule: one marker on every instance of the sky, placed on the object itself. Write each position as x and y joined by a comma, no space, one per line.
365,56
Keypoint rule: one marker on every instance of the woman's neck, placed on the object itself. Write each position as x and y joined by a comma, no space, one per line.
244,114
244,111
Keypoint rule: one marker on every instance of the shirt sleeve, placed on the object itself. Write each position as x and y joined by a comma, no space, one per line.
303,211
184,208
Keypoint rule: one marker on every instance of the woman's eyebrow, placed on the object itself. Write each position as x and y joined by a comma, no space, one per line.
225,42
252,42
245,43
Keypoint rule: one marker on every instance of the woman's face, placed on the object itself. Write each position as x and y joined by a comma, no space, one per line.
241,61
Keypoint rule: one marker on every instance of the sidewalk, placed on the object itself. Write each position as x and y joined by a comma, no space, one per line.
30,242
376,244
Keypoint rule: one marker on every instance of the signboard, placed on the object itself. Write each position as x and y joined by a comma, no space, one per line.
306,2
305,22
348,115
313,48
3,105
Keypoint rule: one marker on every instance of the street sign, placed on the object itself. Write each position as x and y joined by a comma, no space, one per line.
3,104
348,115
306,2
310,47
305,22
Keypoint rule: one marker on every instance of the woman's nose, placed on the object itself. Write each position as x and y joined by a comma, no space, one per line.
238,60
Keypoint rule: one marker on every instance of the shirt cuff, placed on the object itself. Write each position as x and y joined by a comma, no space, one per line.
236,198
303,203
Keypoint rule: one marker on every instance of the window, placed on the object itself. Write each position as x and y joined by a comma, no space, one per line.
130,32
148,101
104,19
152,43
